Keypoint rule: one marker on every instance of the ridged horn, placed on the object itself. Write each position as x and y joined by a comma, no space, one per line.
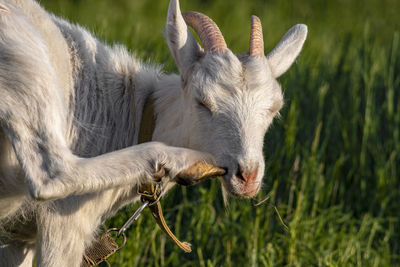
256,38
209,33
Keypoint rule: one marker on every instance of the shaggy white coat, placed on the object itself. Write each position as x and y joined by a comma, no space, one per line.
70,111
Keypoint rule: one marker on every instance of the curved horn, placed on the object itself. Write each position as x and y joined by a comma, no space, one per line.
209,33
256,38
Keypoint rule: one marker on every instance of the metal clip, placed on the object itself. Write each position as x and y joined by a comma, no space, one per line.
148,199
133,218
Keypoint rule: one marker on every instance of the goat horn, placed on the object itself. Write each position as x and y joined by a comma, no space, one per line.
209,33
256,38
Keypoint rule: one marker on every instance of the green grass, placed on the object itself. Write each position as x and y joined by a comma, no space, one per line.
333,157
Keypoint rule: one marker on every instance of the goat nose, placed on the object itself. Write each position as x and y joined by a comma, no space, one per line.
246,174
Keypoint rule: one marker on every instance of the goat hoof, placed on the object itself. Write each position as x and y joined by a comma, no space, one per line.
197,173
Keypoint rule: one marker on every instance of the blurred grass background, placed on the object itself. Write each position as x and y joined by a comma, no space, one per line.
332,159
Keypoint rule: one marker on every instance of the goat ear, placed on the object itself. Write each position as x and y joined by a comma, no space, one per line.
181,42
287,50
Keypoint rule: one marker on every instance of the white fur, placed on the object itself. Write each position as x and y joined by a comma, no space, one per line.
70,111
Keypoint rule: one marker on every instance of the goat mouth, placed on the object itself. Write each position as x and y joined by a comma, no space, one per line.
251,193
239,190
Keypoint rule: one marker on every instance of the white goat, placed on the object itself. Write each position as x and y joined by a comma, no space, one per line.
70,110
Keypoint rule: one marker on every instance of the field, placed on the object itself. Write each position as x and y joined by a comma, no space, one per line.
332,185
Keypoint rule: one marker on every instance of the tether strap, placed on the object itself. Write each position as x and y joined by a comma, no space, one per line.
148,122
148,194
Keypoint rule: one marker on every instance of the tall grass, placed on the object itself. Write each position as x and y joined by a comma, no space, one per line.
332,185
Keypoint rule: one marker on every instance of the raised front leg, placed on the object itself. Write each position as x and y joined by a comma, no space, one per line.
131,166
53,172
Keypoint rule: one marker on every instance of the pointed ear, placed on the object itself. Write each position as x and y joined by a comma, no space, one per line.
287,50
181,42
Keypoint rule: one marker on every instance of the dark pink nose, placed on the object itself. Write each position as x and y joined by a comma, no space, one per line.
247,175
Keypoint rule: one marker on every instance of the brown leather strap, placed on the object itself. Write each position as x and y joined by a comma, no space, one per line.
148,122
157,213
149,193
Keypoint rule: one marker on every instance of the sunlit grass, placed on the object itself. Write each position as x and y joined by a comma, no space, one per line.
332,158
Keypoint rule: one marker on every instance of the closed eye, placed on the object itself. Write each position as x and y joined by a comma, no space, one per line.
202,105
